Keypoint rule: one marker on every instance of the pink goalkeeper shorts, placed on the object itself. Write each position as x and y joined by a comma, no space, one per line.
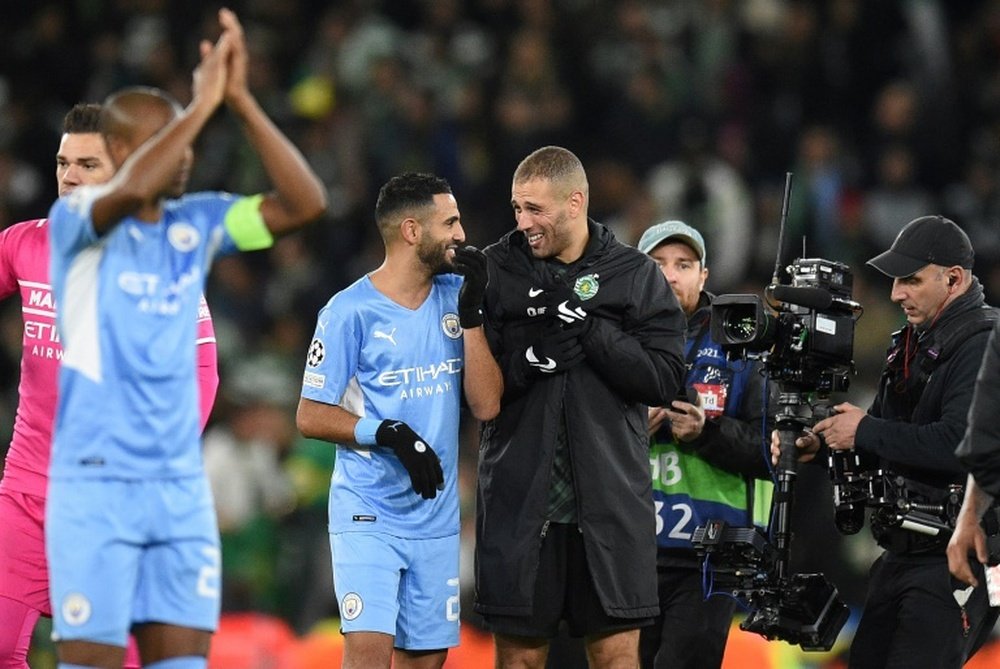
24,572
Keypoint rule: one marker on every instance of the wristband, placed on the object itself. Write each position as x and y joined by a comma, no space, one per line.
364,431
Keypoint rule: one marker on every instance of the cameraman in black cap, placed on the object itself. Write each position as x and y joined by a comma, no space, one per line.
915,615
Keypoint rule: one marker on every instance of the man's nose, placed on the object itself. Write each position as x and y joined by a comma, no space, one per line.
897,293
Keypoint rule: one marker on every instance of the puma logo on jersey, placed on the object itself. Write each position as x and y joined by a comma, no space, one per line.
390,336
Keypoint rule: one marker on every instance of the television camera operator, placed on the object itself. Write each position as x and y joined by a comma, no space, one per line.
915,615
706,451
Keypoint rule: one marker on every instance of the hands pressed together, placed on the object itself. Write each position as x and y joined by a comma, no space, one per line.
222,73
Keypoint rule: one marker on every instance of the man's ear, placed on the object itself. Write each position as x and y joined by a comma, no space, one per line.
118,150
409,230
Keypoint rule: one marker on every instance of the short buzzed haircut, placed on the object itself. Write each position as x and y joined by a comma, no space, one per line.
83,118
125,110
406,193
555,164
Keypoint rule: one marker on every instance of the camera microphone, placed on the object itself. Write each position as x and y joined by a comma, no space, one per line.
803,296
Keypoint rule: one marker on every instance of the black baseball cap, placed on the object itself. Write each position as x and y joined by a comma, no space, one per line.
924,241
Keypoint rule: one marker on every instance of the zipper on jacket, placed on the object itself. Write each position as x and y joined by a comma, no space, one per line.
545,528
572,464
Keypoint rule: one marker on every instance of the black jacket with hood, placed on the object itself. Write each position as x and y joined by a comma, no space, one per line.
980,448
634,358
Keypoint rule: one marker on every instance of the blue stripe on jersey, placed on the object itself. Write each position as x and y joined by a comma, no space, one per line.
128,307
378,359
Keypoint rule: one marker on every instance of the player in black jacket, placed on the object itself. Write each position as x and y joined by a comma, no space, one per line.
588,333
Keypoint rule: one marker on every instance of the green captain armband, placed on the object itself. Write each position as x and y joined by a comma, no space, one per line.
246,226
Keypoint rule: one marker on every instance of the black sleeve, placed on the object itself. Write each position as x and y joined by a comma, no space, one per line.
643,361
517,379
979,450
741,443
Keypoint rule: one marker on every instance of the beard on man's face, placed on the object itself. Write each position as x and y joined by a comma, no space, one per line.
435,258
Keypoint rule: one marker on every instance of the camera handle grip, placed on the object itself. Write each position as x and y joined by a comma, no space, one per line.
788,460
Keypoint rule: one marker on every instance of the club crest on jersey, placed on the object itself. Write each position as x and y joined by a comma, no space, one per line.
183,236
586,286
75,609
450,325
351,606
316,354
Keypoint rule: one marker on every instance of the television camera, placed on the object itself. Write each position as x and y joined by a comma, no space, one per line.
804,339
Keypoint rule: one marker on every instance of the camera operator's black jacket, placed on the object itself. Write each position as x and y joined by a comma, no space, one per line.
980,448
730,441
920,411
634,358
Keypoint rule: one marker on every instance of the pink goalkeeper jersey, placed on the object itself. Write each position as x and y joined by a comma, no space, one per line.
24,265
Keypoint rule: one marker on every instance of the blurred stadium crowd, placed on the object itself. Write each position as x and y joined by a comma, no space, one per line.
690,109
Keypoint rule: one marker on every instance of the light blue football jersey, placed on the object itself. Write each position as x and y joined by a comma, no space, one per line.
380,360
127,311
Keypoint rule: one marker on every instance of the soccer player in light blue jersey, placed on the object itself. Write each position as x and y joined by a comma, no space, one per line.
130,525
384,376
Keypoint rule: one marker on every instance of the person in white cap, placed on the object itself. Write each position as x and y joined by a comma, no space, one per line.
915,614
706,452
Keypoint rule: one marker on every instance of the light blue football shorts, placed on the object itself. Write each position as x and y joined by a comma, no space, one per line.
404,587
123,552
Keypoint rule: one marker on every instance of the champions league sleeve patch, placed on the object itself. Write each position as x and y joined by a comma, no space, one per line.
316,354
314,358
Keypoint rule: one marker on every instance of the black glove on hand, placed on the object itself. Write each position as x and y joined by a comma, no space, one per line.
565,307
470,262
417,456
558,351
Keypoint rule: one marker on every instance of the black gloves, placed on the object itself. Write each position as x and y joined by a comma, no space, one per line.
417,456
564,306
470,262
558,351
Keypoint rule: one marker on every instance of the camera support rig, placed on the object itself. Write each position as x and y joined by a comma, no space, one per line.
807,349
802,609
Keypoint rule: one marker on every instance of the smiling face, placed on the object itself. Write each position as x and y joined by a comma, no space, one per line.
82,160
441,233
548,218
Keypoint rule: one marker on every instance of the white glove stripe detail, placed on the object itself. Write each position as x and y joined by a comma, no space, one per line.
570,314
548,366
